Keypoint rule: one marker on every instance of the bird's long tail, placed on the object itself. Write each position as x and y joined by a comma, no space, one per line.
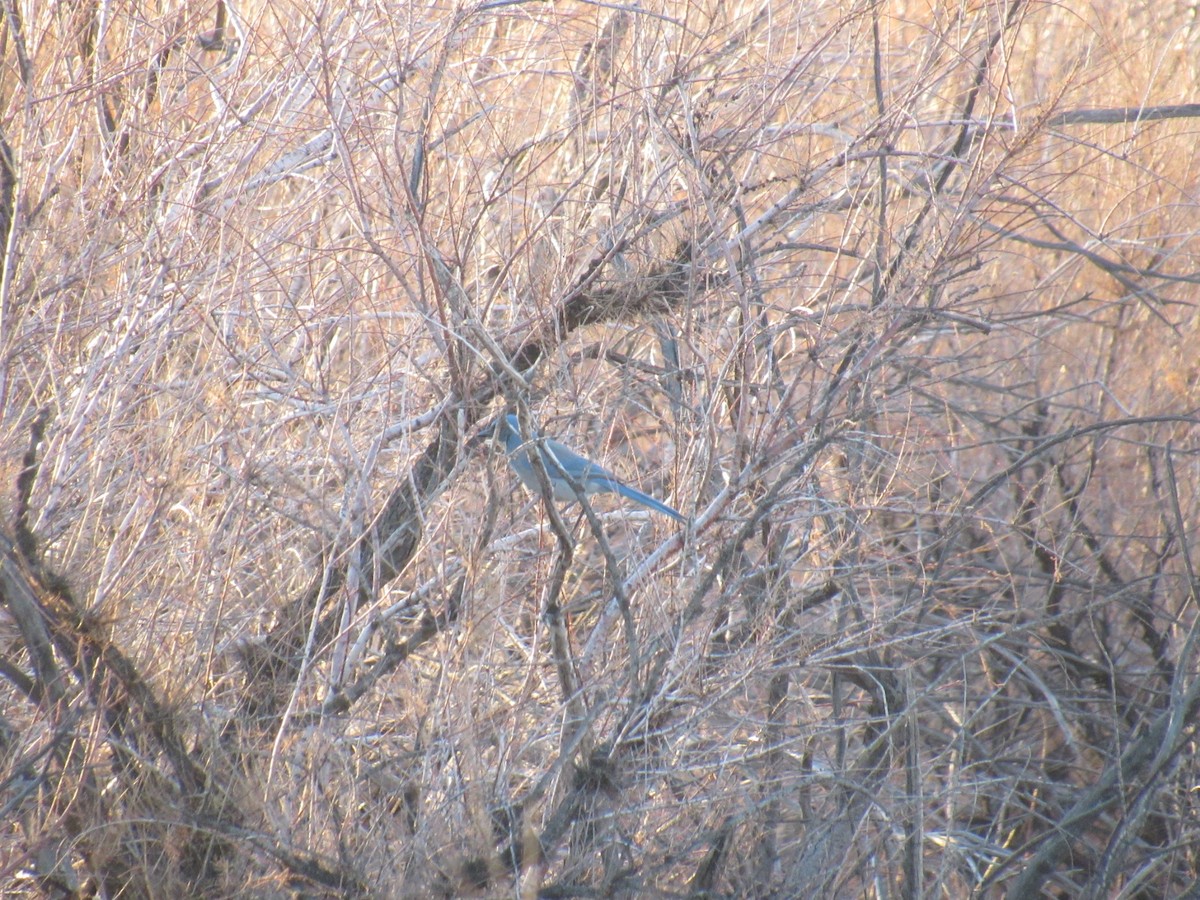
647,501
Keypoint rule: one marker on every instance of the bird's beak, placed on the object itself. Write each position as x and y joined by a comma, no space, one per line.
483,436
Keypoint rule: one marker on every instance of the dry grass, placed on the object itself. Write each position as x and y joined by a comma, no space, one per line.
867,290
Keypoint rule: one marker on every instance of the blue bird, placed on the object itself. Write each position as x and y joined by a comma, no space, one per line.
563,466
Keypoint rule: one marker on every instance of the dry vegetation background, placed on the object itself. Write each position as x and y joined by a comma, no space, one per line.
895,300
